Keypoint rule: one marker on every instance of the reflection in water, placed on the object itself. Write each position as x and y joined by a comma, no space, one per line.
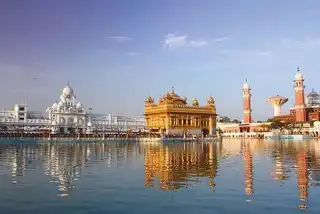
248,174
62,162
179,166
169,166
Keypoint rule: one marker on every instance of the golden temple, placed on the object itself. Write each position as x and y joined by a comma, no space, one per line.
172,115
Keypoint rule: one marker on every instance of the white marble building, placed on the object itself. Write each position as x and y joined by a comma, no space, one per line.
312,99
68,115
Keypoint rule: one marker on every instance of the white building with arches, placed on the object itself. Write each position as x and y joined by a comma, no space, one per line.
68,115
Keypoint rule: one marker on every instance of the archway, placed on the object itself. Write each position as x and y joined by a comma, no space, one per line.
205,131
62,121
80,121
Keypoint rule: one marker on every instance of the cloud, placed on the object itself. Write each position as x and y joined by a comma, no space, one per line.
133,54
305,42
174,41
220,39
264,53
11,69
245,52
120,39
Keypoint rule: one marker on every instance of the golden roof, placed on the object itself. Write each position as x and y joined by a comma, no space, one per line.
149,100
195,102
173,98
210,101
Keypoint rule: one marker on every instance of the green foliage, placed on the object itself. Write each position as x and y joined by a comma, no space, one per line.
277,124
235,121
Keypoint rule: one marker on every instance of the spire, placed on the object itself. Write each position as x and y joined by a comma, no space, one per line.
172,90
246,80
298,69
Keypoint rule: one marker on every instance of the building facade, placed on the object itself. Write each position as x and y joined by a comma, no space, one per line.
306,108
67,116
172,115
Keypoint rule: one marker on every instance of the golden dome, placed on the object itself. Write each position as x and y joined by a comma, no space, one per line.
195,102
168,95
149,100
210,101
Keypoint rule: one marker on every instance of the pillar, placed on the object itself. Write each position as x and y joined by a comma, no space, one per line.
167,121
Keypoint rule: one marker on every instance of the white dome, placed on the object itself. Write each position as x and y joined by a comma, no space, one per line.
55,105
60,103
299,76
89,124
67,92
79,105
246,85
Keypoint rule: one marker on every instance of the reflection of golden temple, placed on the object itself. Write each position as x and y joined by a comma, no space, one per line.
174,116
248,172
175,168
279,168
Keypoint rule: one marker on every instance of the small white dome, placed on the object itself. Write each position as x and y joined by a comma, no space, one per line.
246,85
60,104
55,105
89,124
79,105
299,76
67,92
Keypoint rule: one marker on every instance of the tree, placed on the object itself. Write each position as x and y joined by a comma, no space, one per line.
235,121
226,119
277,124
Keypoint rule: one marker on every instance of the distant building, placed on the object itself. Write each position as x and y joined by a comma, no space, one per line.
247,127
306,109
68,115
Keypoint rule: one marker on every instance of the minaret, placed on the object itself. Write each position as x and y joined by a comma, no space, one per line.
300,106
246,95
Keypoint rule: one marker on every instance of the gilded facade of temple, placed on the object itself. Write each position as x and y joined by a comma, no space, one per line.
172,115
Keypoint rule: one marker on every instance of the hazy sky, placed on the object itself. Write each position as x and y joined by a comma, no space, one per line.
117,52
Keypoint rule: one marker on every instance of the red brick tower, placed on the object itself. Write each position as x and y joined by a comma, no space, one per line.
246,95
300,106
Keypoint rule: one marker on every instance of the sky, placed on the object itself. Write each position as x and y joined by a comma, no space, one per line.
117,52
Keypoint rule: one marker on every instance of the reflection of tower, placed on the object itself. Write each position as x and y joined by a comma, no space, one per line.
299,97
248,172
246,95
277,102
302,175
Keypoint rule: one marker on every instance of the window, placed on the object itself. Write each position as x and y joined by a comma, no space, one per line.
21,109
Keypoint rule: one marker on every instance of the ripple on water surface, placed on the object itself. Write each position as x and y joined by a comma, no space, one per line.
239,176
